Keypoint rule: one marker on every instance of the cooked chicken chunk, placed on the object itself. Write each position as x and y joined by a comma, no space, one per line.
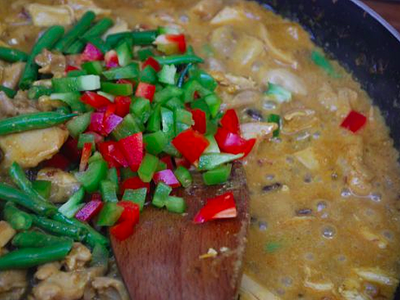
13,284
77,258
51,63
12,74
49,15
6,233
105,288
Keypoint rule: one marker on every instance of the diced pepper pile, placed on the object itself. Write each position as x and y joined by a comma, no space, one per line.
146,114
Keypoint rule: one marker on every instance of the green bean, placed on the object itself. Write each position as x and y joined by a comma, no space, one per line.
46,41
12,55
18,177
18,219
95,32
77,31
9,92
32,121
9,193
139,38
35,239
178,59
59,228
31,257
36,91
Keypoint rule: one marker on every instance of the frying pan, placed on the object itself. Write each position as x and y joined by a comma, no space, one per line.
363,42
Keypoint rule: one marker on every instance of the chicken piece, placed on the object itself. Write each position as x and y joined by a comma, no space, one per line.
376,275
13,284
77,258
19,105
82,6
63,184
206,8
106,288
258,130
49,15
228,14
233,83
247,50
308,158
6,233
284,78
284,57
299,119
51,63
47,270
224,40
74,60
62,286
7,108
252,290
30,148
12,74
241,99
338,102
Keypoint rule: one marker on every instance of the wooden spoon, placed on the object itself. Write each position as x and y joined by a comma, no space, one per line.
161,260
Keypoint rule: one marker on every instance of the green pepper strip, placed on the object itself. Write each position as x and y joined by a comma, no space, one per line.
108,191
175,204
74,203
90,179
12,55
46,41
32,121
35,239
160,195
59,228
9,92
36,91
178,59
77,31
30,257
218,175
18,219
184,176
137,196
148,167
213,160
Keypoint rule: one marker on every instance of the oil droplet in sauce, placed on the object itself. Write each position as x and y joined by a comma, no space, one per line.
328,232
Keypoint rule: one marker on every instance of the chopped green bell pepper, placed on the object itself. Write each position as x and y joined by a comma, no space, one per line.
155,142
109,214
95,173
137,196
218,175
108,191
212,160
175,204
160,195
148,167
184,176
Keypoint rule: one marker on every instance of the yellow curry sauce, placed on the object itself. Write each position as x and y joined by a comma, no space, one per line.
325,219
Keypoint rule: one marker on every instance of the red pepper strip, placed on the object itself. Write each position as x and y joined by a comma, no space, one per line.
181,161
86,153
128,219
167,177
179,39
111,59
96,122
112,154
70,150
145,90
200,121
190,144
152,63
89,210
70,68
58,161
354,121
122,104
132,147
230,121
168,161
233,143
110,123
94,100
91,53
220,207
134,183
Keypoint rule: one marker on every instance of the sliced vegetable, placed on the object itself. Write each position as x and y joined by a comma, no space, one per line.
167,177
89,210
354,121
184,176
278,93
132,147
175,204
191,144
161,195
220,207
109,214
73,205
232,143
148,167
137,196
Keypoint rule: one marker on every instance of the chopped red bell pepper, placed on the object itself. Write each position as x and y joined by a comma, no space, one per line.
58,161
152,63
179,39
91,53
145,90
112,154
167,177
70,150
220,207
134,183
70,68
110,123
200,121
96,122
230,121
132,147
128,219
354,121
89,210
168,161
111,59
190,144
122,105
86,153
233,143
94,100
181,161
